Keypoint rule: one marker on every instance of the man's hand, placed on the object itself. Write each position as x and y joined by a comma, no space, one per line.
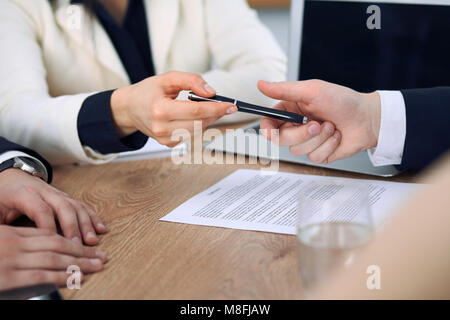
342,122
30,256
23,194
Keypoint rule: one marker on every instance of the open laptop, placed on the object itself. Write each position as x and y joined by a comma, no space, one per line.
407,47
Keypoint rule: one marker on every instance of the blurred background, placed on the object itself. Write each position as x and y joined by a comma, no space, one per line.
275,15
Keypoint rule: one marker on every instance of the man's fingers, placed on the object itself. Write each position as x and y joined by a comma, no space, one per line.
66,214
32,232
294,135
341,153
176,81
323,152
325,131
273,134
32,204
62,245
86,227
300,91
56,261
95,219
268,124
75,218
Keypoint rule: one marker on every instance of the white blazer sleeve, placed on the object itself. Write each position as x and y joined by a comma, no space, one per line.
244,51
28,114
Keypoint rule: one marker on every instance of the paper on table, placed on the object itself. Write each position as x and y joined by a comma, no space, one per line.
151,150
249,200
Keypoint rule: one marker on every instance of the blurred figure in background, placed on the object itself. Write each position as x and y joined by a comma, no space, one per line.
413,263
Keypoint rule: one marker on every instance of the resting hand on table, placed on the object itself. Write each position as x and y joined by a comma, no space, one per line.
23,194
30,256
150,106
342,122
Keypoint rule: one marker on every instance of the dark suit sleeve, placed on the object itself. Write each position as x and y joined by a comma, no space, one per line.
6,146
96,129
427,126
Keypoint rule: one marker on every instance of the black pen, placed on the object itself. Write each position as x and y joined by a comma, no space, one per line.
251,108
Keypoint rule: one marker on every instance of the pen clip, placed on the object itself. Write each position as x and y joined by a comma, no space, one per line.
193,97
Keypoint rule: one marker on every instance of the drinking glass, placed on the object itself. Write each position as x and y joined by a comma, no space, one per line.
334,221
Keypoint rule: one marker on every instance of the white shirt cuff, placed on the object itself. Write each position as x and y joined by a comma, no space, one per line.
13,154
391,140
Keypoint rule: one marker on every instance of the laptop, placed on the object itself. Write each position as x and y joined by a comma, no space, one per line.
399,44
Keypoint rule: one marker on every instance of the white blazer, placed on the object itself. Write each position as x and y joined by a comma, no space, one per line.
54,55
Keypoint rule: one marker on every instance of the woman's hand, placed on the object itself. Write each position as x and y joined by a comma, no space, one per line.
23,194
30,256
342,122
150,106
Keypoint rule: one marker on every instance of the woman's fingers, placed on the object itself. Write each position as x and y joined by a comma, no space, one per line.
181,115
175,81
317,136
190,110
174,140
323,152
56,261
188,125
61,245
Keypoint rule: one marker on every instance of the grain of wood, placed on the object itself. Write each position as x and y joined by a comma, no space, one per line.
269,3
150,259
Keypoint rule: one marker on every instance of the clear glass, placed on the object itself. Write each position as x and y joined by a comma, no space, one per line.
334,221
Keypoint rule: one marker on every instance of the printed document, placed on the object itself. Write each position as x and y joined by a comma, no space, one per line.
253,200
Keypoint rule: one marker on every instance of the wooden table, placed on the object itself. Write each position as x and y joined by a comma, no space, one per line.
269,3
150,259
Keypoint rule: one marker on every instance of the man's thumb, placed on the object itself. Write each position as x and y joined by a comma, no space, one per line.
299,91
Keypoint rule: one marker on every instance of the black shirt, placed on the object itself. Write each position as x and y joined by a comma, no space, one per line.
132,43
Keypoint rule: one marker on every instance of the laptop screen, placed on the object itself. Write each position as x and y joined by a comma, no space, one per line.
410,50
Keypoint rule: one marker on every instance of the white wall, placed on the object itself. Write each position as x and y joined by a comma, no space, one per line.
277,20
